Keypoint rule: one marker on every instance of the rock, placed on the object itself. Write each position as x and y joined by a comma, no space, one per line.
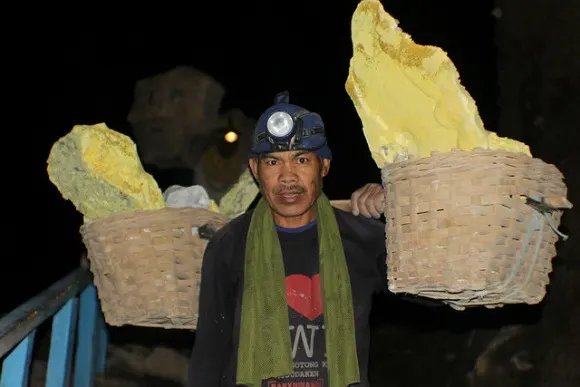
105,381
128,358
166,363
177,124
99,171
135,362
194,196
38,373
221,164
495,364
172,114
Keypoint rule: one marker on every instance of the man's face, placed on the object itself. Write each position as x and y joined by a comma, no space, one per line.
290,181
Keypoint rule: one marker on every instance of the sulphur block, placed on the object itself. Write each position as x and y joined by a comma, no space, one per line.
213,206
99,171
239,198
496,142
409,96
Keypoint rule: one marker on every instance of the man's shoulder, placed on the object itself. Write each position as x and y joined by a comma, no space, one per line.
347,219
359,228
360,234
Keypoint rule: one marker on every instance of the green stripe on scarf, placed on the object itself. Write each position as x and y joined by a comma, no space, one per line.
265,350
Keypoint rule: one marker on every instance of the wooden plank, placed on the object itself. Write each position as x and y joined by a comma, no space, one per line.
21,321
342,205
102,340
85,361
62,345
16,367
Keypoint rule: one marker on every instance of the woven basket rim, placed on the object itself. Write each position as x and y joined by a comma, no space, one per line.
455,152
125,216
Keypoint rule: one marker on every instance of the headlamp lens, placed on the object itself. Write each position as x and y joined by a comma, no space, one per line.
280,124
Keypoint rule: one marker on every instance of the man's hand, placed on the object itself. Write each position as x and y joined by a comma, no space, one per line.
368,201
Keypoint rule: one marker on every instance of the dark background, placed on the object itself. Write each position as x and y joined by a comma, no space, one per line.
78,65
90,65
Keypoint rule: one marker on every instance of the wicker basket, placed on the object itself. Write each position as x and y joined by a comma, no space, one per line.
459,228
146,266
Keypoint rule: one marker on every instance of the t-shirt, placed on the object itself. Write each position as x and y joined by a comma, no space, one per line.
214,358
304,297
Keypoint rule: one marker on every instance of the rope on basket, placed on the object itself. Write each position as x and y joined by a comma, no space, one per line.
536,224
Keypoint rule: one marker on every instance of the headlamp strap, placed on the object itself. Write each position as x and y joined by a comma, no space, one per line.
318,130
297,117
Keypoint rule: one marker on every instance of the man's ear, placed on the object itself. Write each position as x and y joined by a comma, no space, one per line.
324,167
253,162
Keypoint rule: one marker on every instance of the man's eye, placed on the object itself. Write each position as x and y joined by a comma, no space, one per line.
271,162
302,160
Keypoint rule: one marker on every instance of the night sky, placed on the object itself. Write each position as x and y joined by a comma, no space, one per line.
255,51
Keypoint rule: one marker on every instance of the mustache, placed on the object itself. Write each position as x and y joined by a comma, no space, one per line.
290,188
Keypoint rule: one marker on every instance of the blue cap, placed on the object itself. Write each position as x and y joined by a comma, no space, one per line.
285,127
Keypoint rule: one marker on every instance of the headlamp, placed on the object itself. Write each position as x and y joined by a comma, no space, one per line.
280,124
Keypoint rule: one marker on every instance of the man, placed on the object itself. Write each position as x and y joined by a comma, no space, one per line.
287,288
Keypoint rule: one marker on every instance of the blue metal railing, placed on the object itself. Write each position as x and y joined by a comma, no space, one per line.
73,303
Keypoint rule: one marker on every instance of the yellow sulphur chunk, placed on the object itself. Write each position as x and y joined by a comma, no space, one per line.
409,97
99,171
237,200
213,206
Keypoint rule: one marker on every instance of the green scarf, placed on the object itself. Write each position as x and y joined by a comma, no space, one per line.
265,350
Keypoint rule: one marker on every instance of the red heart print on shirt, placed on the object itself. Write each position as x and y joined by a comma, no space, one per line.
304,295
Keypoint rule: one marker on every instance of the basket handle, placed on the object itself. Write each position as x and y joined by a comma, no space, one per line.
548,203
558,202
